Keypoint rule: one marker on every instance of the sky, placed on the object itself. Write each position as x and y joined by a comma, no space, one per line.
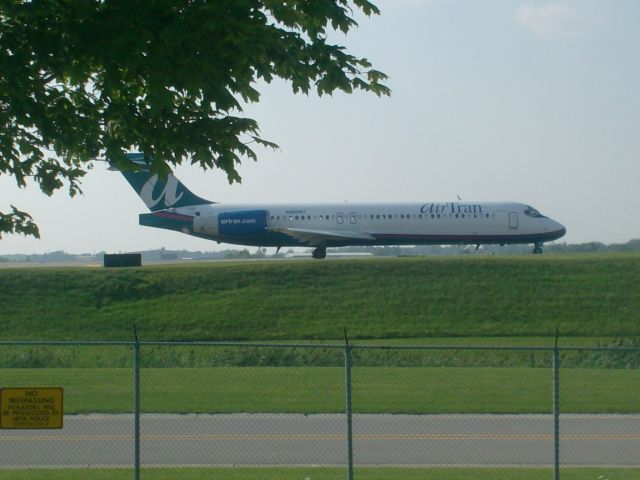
535,101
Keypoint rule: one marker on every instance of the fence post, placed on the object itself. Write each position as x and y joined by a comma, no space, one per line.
136,404
556,410
347,367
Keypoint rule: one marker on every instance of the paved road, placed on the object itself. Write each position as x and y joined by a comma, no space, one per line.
106,440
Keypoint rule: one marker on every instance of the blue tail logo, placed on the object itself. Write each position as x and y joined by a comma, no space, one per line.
157,194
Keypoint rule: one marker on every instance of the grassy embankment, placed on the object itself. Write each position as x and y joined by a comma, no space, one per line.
592,296
470,300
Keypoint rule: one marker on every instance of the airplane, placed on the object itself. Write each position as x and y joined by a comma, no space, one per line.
174,207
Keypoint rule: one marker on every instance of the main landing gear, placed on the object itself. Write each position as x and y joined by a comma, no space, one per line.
537,247
319,252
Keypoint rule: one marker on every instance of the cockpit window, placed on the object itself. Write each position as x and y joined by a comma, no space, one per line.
532,212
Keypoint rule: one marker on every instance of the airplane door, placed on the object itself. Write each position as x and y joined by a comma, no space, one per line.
353,218
513,220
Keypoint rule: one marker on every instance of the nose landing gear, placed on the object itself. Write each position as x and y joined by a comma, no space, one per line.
537,247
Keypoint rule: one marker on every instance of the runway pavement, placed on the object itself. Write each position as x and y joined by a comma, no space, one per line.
411,440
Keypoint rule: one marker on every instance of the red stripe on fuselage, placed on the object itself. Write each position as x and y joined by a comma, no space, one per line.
174,216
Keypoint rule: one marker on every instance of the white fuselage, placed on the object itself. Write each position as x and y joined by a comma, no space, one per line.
376,223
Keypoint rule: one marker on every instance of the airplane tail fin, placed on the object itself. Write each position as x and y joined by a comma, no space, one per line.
158,194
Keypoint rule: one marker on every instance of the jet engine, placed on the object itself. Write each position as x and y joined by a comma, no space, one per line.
232,224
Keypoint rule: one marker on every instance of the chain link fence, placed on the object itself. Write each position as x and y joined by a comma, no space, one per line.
243,410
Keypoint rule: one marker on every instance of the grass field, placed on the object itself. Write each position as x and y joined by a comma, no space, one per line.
593,296
466,300
321,390
319,473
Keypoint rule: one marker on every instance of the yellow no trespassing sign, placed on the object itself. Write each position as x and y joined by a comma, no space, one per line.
38,408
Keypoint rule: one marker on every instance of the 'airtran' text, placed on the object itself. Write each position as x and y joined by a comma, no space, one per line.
452,207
